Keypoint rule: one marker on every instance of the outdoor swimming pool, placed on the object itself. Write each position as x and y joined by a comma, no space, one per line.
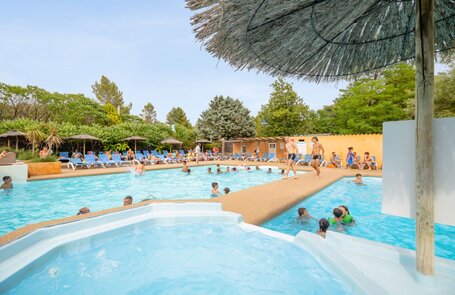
195,258
43,200
364,203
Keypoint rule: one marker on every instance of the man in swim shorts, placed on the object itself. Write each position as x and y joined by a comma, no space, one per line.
318,149
197,150
291,149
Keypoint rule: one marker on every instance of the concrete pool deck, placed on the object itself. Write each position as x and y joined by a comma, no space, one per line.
256,204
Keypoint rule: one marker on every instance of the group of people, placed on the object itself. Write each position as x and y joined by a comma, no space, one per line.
128,200
340,218
354,161
292,152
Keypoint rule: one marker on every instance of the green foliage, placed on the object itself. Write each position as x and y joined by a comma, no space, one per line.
225,118
177,116
367,103
284,114
108,92
185,135
112,116
43,160
148,113
35,137
116,147
24,155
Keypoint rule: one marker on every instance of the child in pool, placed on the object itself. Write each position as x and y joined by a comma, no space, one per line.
215,192
303,214
7,182
209,170
336,219
228,169
269,170
323,226
358,179
140,169
346,218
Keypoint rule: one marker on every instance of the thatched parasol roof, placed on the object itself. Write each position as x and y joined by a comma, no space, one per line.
315,40
203,140
136,138
171,140
83,137
12,133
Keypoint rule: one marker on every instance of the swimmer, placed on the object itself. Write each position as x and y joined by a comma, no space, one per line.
303,214
209,170
83,210
215,192
346,216
226,190
188,172
128,200
218,171
140,169
185,167
282,171
228,169
337,218
323,226
7,182
257,168
358,179
269,170
248,169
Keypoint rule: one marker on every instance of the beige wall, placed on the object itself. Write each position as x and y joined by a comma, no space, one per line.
332,143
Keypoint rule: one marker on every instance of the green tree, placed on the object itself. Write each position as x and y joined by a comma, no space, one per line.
284,114
367,102
148,113
108,92
185,135
225,118
35,136
112,116
177,116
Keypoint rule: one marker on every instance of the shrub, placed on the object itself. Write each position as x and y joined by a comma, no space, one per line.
43,160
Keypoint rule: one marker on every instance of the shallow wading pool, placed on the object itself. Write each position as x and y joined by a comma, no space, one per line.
182,255
43,200
364,203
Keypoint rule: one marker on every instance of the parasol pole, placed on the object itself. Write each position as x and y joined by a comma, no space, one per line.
17,143
424,136
8,143
135,145
84,147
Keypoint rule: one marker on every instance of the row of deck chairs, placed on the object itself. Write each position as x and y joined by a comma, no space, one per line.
265,158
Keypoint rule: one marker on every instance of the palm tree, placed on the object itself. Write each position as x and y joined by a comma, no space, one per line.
53,140
34,137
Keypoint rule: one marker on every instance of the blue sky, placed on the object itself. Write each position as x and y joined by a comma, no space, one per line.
146,47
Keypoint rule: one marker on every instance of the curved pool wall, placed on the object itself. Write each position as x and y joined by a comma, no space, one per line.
367,267
43,200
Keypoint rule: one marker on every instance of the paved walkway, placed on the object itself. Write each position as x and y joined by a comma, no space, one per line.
256,205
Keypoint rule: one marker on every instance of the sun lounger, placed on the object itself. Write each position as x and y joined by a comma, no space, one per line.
90,159
116,158
9,159
75,163
272,158
374,164
105,160
305,160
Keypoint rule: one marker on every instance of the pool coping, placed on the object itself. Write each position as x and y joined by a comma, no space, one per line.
256,204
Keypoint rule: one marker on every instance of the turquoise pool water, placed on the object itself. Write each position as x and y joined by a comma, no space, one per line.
182,259
43,200
364,203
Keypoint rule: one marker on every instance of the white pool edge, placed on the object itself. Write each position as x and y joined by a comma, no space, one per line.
333,253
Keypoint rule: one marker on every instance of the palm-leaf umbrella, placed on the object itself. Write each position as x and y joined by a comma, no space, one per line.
12,133
202,141
135,139
328,40
84,138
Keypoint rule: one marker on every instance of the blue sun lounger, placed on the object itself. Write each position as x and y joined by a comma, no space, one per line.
90,159
106,162
75,163
116,158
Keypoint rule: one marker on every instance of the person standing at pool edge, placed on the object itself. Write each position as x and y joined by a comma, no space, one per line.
198,152
316,155
291,149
